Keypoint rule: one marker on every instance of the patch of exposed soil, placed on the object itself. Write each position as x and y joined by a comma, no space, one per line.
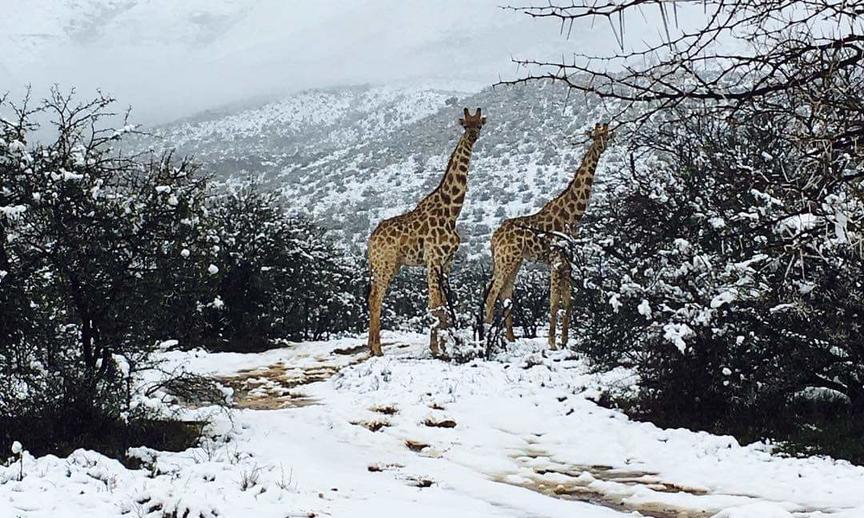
273,387
385,409
374,425
577,482
415,445
442,423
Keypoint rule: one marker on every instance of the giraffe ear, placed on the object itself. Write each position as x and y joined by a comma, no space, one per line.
482,120
461,121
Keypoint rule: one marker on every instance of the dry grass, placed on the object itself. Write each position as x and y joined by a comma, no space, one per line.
385,409
443,423
378,468
373,426
415,445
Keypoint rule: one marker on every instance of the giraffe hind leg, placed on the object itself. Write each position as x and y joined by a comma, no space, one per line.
507,294
559,299
554,298
566,296
437,304
502,273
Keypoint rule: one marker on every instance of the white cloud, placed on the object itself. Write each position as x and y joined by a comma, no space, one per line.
169,59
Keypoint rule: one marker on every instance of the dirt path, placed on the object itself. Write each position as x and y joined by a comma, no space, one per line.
624,489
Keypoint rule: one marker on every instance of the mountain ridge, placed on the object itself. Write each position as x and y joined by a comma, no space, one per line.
353,156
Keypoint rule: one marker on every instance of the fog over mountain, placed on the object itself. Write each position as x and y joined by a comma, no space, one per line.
170,59
347,108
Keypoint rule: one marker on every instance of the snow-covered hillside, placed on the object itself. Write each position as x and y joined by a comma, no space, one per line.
323,431
353,156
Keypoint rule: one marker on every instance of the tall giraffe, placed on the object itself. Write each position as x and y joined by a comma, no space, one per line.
426,236
531,238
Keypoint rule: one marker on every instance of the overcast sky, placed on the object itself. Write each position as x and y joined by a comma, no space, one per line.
170,58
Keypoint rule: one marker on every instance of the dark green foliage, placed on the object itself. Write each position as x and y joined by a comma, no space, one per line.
531,299
741,247
280,276
92,275
105,259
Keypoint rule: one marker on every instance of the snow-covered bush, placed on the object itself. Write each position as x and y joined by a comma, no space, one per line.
531,299
280,275
101,257
728,269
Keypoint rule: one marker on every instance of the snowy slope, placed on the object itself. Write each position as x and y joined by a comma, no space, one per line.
409,435
353,156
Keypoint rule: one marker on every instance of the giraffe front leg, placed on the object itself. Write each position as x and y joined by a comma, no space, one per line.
382,274
508,311
566,303
437,307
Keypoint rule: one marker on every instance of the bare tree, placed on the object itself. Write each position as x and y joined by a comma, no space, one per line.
781,46
800,61
757,118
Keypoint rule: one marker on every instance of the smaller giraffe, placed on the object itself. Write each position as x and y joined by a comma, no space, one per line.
426,236
532,238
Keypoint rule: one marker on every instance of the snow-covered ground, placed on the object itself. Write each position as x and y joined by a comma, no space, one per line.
324,433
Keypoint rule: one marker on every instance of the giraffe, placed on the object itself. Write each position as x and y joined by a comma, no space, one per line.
530,238
425,236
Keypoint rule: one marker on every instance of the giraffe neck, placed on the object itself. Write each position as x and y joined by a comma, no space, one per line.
569,206
449,196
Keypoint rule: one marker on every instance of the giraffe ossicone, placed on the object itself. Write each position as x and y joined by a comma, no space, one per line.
425,236
533,238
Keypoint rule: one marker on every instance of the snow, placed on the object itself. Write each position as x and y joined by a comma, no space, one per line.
525,435
724,297
66,176
615,302
797,224
681,244
841,226
167,344
17,448
644,309
759,510
717,222
676,333
781,307
13,211
16,146
213,269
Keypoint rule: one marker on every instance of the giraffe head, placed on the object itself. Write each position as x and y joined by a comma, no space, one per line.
472,124
600,133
